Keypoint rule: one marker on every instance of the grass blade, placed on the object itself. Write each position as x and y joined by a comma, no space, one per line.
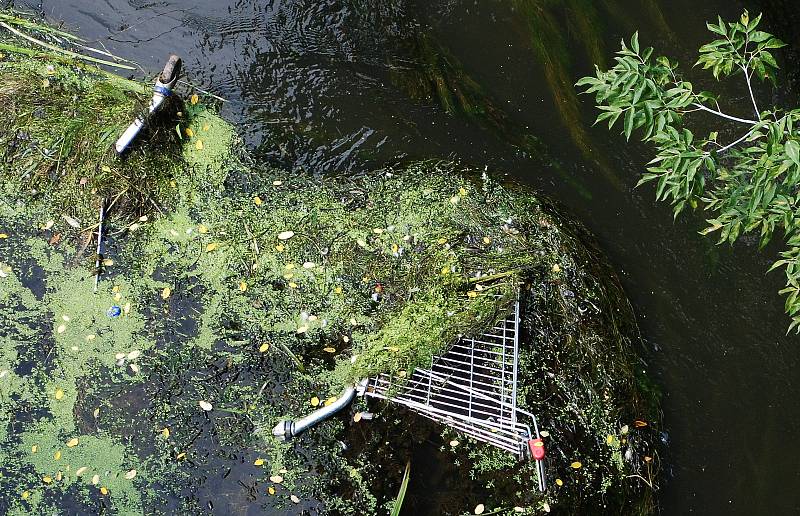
398,503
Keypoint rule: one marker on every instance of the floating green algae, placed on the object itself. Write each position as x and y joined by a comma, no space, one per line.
245,292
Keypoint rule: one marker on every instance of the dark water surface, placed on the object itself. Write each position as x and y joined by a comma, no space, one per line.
310,84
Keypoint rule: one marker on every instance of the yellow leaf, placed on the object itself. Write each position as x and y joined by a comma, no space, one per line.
329,350
271,490
357,417
95,480
292,284
462,191
288,275
264,347
258,462
472,294
556,268
26,495
576,465
442,240
277,479
91,337
202,229
181,455
445,270
302,329
166,293
34,448
57,455
559,482
206,127
47,480
3,236
189,132
455,199
280,248
59,394
212,247
243,286
130,475
72,442
80,471
314,401
257,200
165,433
199,145
487,240
103,491
639,423
194,99
338,290
330,400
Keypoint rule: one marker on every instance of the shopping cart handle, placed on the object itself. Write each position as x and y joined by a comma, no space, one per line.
536,446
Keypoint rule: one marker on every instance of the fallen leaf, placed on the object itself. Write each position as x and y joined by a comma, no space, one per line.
277,183
285,235
330,400
133,355
134,368
314,401
479,509
258,200
309,265
108,262
271,490
130,474
57,455
329,350
165,433
61,328
49,224
264,347
26,495
292,284
202,229
576,465
276,479
199,145
181,455
166,293
205,405
302,329
47,480
72,442
454,443
258,462
3,236
34,448
189,132
559,482
55,239
75,223
212,247
472,294
639,423
295,499
59,394
95,479
194,99
280,248
544,433
357,417
103,491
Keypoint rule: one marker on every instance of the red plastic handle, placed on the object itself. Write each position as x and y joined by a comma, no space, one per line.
537,448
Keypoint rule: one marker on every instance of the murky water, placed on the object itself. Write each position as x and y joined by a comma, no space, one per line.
314,85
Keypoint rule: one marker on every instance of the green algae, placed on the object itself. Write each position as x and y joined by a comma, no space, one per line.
221,304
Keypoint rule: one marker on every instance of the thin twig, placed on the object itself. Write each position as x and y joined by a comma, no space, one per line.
750,89
724,115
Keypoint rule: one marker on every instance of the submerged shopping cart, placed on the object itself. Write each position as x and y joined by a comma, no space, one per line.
472,388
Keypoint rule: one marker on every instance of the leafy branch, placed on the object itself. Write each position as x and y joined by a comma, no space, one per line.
749,184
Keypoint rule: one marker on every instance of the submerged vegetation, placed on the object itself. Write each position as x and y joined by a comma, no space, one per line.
233,294
748,184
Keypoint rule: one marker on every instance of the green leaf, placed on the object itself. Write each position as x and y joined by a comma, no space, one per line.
792,149
635,42
629,123
398,502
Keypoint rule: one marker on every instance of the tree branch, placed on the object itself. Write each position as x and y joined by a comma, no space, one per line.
737,142
750,89
724,115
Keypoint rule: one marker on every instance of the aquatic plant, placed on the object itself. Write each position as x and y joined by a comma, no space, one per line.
747,185
250,293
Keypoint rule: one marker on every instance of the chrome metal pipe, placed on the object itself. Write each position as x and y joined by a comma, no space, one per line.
287,429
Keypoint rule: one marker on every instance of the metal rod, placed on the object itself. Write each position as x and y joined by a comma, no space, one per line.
97,262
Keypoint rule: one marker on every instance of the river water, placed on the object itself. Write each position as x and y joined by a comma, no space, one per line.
313,85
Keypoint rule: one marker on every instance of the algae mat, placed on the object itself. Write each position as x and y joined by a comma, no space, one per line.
233,294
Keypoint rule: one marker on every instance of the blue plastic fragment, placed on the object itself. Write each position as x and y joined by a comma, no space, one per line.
114,311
